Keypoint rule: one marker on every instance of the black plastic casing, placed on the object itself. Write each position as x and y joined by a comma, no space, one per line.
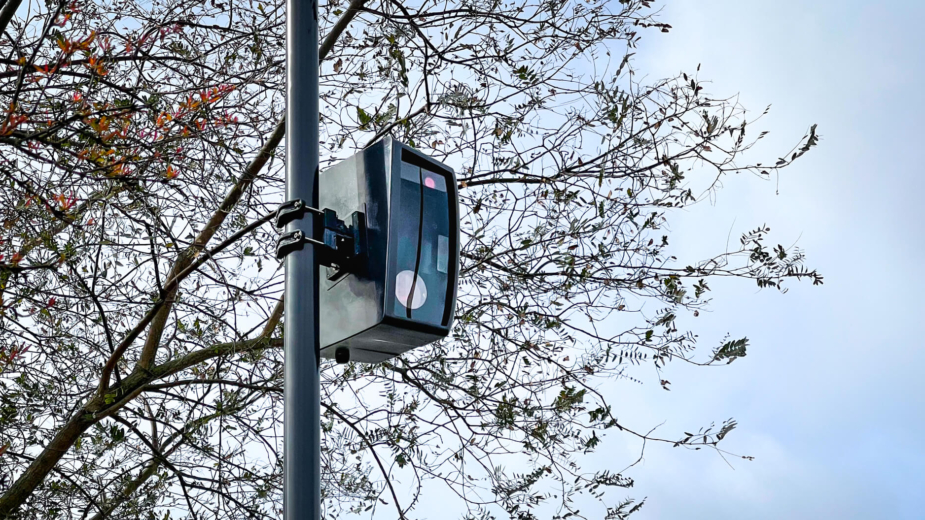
359,311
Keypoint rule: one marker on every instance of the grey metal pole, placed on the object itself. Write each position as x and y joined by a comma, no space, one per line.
302,421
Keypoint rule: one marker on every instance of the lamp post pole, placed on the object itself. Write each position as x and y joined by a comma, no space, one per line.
302,430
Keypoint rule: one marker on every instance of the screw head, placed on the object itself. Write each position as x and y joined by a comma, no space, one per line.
297,204
298,235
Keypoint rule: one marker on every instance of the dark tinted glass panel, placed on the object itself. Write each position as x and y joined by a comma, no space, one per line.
421,224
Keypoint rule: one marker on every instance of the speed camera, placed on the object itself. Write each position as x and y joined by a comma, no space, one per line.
400,293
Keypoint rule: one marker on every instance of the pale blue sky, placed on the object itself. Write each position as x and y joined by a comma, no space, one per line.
829,399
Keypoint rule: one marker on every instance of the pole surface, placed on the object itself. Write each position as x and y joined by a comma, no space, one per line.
301,430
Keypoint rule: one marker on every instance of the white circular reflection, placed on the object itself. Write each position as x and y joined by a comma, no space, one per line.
403,284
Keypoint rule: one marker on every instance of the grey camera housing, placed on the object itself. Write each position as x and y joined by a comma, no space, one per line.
402,294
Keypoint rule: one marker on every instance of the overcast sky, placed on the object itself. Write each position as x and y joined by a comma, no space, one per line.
830,399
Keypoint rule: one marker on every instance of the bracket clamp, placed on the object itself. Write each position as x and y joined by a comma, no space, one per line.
340,246
293,210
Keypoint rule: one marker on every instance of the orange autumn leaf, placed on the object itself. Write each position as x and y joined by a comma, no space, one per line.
99,125
163,118
84,45
46,70
96,65
11,123
65,202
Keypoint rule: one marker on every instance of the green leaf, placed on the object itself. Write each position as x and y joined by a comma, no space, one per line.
731,350
364,117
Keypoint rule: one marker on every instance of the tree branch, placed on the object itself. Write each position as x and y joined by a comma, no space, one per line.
170,290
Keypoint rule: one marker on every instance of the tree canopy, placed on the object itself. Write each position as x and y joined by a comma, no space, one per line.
141,303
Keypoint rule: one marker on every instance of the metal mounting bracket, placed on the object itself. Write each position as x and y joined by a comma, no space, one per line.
340,246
